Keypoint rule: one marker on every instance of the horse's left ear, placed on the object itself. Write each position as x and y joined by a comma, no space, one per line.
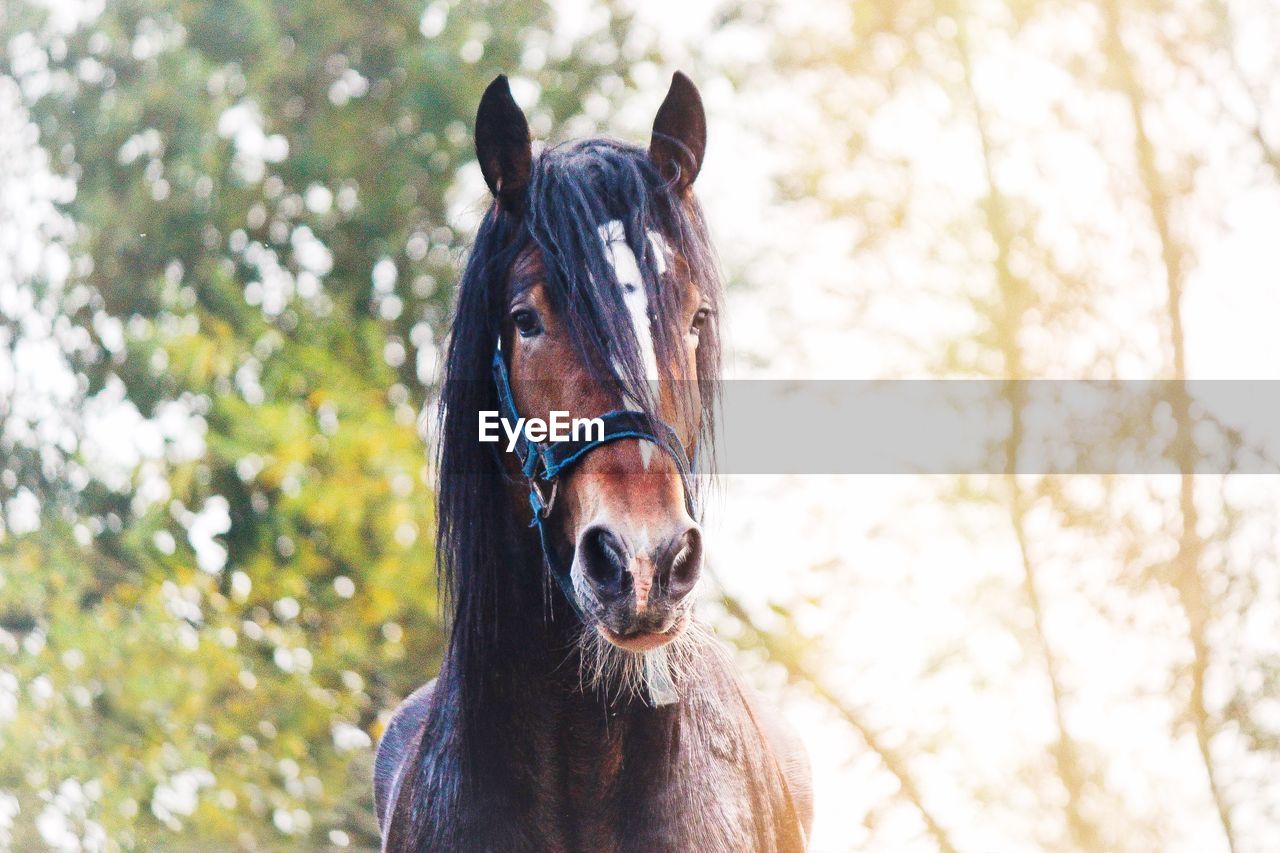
503,145
679,134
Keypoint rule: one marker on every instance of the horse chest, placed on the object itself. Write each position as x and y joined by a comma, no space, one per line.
656,780
561,773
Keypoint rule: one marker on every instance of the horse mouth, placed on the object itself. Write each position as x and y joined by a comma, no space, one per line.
645,641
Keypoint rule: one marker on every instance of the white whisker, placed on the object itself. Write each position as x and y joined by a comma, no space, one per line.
658,676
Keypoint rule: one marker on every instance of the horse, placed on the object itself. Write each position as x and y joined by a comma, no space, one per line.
580,705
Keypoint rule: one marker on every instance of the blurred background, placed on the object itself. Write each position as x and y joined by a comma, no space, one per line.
229,236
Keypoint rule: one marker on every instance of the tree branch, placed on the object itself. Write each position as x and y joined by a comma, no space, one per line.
780,653
1188,582
1014,300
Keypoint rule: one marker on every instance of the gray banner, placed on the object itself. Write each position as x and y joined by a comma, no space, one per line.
969,427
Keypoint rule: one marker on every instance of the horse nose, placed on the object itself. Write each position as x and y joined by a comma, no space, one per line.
677,565
604,562
618,565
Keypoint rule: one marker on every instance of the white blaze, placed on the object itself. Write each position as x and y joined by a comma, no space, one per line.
626,270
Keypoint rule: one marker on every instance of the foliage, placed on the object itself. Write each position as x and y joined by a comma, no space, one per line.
266,210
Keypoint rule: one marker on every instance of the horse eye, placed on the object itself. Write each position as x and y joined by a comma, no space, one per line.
700,320
526,322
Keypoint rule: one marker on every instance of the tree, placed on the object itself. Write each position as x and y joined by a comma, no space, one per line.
1037,184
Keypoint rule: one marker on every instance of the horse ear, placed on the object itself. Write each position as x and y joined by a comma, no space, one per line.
503,145
679,134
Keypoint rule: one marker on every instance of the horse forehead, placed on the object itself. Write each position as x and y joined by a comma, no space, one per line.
617,251
626,269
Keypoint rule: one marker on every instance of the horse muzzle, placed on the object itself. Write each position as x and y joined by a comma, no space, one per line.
644,641
640,581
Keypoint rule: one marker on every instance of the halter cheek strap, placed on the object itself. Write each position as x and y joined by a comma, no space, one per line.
542,463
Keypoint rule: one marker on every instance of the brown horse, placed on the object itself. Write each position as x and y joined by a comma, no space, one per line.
580,706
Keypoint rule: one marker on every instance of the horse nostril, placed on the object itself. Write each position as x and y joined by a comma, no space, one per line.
682,564
603,559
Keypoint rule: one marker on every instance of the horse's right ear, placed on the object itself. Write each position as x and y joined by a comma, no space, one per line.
503,145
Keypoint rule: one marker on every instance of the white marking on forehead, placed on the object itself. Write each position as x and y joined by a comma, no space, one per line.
626,269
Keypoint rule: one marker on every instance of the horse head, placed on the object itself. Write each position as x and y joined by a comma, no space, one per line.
605,307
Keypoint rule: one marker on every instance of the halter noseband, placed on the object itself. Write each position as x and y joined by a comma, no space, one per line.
544,462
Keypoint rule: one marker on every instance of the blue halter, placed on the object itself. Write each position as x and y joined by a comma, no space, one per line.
544,462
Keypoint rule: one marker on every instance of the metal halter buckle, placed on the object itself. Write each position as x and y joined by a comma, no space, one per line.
544,503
